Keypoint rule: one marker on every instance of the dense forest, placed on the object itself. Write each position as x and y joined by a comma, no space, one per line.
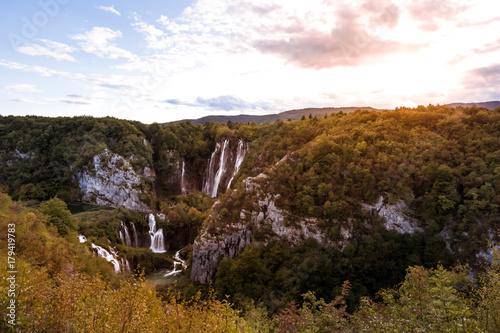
339,172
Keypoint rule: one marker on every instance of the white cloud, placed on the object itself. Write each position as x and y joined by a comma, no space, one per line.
110,9
21,87
56,50
274,55
154,37
27,101
98,42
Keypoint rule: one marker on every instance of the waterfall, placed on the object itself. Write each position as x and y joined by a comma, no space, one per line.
126,264
177,261
136,240
101,252
82,238
222,169
125,236
240,155
183,181
207,187
157,243
212,183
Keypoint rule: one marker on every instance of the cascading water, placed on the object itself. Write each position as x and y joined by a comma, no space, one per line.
82,238
101,252
125,236
207,187
212,184
126,264
240,156
134,232
177,261
157,243
183,181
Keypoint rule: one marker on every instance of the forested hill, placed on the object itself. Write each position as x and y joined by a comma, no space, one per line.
488,105
298,114
269,118
267,212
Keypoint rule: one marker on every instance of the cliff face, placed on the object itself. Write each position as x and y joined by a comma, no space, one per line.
113,182
220,240
396,216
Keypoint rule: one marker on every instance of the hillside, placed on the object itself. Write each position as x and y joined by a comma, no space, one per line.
488,105
269,118
269,212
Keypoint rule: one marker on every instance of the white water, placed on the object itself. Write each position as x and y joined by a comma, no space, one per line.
82,238
125,236
212,183
177,262
222,169
240,156
136,240
126,264
207,187
101,252
183,181
157,243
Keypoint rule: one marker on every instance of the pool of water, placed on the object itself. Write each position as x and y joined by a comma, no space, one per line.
78,207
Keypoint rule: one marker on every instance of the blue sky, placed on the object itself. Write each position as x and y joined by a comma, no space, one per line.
169,60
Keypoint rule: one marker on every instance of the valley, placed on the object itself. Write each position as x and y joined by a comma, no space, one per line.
262,215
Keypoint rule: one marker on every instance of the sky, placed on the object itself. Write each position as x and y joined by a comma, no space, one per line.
166,60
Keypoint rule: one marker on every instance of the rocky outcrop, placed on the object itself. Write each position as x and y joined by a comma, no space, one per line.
396,216
219,240
14,157
112,182
208,250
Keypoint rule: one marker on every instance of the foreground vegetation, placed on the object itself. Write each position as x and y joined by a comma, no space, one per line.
61,287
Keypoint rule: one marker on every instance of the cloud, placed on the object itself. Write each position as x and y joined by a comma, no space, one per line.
67,101
173,102
490,73
353,39
155,38
431,14
487,48
56,50
110,9
228,103
482,83
117,82
98,42
27,101
21,87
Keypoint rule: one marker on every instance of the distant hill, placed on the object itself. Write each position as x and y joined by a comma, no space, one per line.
269,118
318,112
489,105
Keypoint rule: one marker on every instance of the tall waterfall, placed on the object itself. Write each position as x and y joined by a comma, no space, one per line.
212,183
183,180
157,243
134,232
125,235
240,156
101,252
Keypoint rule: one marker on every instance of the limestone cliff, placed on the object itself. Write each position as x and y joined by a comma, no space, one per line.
220,240
396,216
113,182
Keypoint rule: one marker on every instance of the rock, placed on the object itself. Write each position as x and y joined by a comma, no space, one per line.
207,251
112,182
395,216
225,241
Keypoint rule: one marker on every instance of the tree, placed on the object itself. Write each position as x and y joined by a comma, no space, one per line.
59,215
